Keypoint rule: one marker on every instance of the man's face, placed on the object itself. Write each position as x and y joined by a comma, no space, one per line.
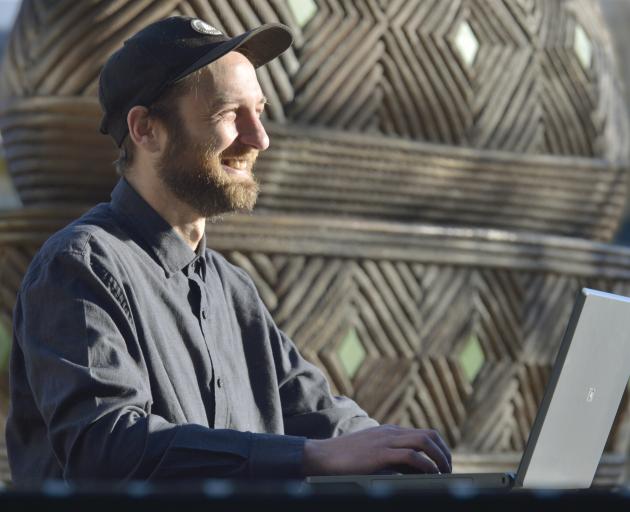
212,148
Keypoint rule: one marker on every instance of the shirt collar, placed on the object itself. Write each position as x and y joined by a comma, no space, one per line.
170,250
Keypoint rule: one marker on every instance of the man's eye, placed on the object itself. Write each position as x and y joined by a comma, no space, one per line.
228,114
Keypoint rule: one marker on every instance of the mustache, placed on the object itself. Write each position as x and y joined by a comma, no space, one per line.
242,154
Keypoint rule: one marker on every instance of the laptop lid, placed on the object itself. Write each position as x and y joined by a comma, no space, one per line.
582,396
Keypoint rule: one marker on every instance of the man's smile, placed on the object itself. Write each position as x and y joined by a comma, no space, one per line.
237,166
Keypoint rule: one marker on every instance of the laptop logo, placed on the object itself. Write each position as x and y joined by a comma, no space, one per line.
590,395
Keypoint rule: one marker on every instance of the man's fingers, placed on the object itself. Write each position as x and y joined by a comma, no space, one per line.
424,441
434,452
437,454
442,445
405,459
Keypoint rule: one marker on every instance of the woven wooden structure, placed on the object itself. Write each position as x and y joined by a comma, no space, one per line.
443,178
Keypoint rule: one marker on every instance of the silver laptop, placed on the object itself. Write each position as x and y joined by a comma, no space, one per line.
569,433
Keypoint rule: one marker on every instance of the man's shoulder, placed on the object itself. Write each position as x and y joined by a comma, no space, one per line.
238,285
229,273
96,231
246,291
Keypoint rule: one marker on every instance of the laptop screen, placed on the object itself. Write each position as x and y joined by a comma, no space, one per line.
582,396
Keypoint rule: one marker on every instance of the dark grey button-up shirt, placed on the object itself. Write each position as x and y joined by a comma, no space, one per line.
135,357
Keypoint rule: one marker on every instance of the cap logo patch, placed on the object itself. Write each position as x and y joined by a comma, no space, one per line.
203,28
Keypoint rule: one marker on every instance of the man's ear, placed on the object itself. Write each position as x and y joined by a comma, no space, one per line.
144,130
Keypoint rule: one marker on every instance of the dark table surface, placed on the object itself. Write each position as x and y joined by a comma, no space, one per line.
219,495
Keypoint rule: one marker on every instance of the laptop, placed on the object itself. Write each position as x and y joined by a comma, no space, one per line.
573,422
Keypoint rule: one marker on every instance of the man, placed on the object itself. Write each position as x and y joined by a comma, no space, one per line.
138,352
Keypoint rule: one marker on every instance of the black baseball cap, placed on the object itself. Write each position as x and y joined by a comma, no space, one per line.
167,51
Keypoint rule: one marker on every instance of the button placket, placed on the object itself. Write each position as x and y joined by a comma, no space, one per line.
210,335
202,315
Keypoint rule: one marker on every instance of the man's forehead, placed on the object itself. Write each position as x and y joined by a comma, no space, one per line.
231,79
224,99
230,64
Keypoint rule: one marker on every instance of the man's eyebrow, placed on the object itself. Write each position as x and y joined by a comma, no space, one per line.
219,101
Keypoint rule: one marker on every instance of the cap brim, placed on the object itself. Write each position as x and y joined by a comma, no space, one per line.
263,44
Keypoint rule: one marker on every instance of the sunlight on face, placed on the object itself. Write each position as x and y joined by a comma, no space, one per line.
212,147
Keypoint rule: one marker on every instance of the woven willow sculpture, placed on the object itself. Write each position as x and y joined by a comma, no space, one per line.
442,180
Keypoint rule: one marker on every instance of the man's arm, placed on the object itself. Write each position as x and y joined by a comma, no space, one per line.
308,406
385,447
343,439
90,385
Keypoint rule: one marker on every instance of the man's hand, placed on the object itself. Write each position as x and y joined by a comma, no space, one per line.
375,449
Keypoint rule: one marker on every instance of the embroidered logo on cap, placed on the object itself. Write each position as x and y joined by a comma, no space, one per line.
203,28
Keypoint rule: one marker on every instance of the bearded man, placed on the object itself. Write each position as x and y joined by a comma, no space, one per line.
141,354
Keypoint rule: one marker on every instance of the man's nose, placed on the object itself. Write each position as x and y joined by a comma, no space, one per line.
252,132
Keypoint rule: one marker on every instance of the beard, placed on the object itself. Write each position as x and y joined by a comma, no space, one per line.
195,175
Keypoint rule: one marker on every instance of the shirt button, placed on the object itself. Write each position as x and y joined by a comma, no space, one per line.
219,382
203,314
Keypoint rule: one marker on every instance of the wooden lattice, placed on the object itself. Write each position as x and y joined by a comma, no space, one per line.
331,172
414,304
395,68
401,130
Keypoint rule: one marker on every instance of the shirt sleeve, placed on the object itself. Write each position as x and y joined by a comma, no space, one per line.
92,389
309,408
